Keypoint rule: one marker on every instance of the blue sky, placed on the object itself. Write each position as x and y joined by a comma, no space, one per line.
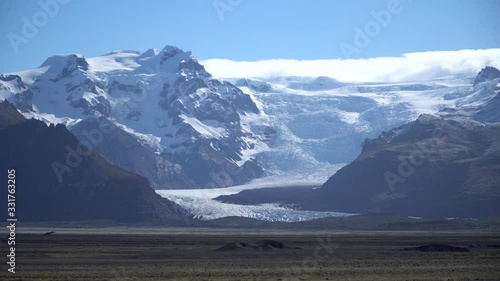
247,30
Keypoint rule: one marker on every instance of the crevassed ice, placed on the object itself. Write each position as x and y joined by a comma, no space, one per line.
200,203
209,209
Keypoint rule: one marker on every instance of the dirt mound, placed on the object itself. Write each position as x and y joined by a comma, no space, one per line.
261,245
437,248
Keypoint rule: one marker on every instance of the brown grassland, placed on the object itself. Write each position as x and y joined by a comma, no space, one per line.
157,253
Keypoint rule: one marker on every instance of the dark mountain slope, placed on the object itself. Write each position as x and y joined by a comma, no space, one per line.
430,167
9,115
123,149
58,180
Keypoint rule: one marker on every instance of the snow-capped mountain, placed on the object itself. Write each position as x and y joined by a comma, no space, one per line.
162,115
163,107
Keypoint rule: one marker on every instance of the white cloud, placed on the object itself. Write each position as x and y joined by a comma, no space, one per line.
408,67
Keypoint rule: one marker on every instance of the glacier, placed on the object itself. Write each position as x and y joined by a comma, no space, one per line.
200,203
322,122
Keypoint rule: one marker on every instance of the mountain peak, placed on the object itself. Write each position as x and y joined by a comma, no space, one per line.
169,60
148,54
172,51
170,48
63,59
66,63
486,74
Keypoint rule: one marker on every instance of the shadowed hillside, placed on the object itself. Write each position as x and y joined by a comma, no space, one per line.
430,167
57,179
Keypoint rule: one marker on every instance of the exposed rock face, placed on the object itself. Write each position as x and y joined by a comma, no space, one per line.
486,74
125,150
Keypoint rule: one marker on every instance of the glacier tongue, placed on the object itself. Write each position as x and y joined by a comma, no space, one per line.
200,203
206,209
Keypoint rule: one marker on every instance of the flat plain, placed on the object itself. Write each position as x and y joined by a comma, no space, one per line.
162,253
